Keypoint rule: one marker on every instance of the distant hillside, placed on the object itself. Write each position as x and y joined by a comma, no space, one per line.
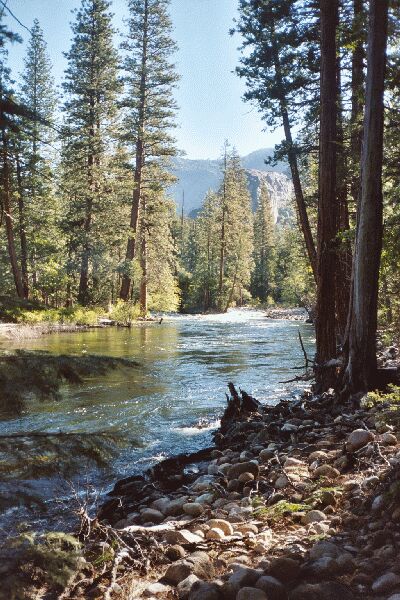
196,177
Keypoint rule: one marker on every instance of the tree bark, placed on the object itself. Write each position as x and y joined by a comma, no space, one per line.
294,169
357,97
143,264
344,255
8,219
327,204
22,231
361,365
139,164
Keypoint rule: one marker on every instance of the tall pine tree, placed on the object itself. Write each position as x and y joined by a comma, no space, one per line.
92,88
150,79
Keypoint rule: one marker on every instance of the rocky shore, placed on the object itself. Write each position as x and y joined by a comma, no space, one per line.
297,501
289,314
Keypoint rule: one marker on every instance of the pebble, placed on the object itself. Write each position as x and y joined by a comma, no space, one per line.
266,454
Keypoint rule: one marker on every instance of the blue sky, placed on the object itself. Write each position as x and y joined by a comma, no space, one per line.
209,93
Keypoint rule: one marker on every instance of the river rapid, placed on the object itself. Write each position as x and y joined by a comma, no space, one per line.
169,404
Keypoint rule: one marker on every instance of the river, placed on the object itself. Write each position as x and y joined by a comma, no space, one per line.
170,403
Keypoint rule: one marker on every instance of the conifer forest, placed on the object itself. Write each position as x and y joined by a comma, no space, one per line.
126,308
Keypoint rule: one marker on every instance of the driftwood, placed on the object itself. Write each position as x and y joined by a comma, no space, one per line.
239,404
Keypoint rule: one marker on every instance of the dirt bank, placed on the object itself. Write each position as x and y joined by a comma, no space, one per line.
19,331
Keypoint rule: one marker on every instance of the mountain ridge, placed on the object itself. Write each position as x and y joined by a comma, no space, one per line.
197,176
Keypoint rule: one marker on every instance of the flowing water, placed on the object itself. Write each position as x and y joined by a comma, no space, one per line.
172,401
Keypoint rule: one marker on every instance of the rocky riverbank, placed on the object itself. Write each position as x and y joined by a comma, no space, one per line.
298,501
289,314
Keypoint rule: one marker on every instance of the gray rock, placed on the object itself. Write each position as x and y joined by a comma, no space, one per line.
249,593
326,471
193,509
388,439
242,577
215,534
197,564
272,587
155,589
179,571
385,583
205,591
244,467
284,569
266,454
327,590
313,516
174,507
323,566
181,537
357,439
185,586
221,524
151,515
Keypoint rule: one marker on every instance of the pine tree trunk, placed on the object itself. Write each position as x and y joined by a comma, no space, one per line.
344,256
8,219
357,97
135,213
143,264
328,217
361,367
139,164
294,169
22,231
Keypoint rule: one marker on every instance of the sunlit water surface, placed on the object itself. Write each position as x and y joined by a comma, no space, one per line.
173,400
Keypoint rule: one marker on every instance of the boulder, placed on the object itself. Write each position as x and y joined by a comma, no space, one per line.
324,548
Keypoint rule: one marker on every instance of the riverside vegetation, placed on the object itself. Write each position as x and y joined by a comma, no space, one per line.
297,500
